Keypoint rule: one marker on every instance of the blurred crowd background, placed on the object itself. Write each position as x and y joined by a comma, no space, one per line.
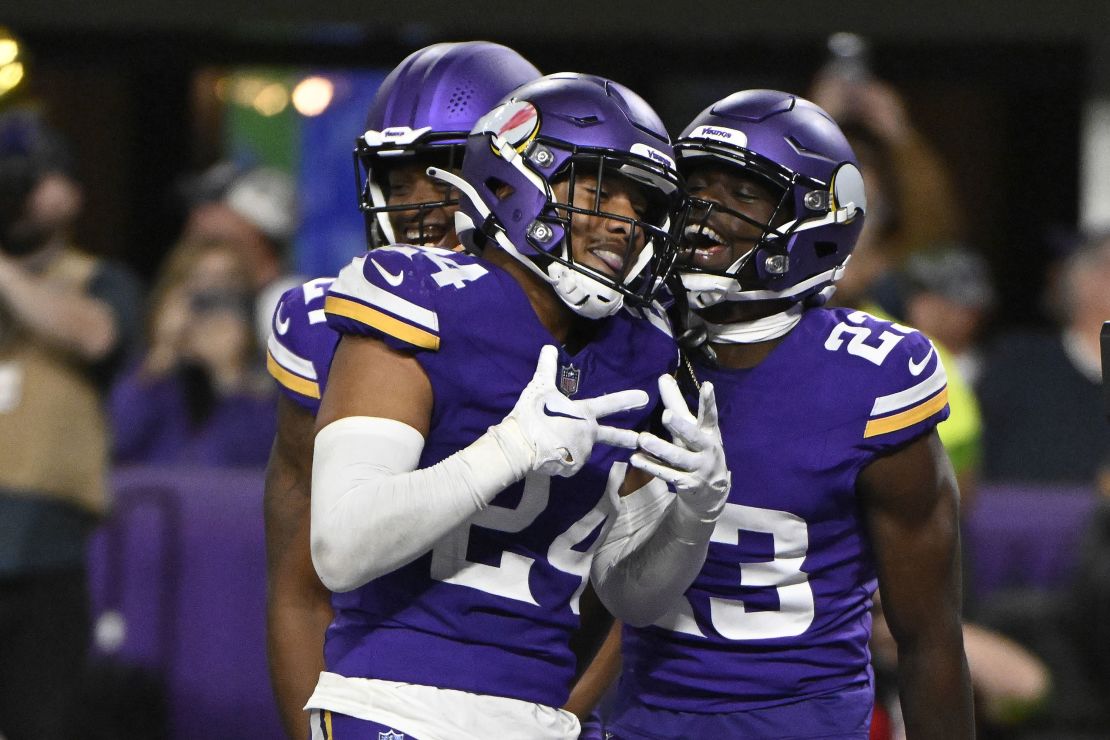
162,182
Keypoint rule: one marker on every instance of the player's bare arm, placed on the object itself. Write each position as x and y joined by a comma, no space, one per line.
911,501
72,321
598,676
298,607
369,379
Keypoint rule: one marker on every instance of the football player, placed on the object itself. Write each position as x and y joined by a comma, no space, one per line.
420,116
462,491
832,416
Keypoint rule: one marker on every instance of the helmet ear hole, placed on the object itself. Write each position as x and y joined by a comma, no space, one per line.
824,249
500,189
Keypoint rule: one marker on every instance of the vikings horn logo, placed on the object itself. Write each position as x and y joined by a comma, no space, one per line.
516,122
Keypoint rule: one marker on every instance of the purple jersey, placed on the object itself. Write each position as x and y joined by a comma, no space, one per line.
301,345
489,610
780,611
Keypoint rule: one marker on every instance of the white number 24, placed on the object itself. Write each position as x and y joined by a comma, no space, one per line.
509,578
784,573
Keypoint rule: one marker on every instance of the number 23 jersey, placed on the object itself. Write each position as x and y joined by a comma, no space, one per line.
780,610
490,609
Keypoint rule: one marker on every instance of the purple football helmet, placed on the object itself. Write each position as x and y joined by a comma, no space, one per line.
553,130
423,112
796,147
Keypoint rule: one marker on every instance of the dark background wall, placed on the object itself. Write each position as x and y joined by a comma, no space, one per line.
998,88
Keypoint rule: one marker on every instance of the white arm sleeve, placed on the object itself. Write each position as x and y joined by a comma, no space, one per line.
373,512
652,553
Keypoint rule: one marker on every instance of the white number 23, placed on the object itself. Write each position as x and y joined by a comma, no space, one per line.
784,573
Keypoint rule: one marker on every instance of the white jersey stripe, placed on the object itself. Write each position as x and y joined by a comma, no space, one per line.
289,360
353,284
913,394
430,712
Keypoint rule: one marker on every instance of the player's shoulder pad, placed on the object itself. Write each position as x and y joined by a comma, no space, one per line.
896,367
300,341
395,292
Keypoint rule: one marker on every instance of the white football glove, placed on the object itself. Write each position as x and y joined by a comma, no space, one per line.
694,463
558,433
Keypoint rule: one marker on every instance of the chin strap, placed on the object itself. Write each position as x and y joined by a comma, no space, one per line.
377,197
585,296
760,330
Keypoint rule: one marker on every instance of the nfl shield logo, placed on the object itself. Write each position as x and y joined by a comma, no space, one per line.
391,735
568,380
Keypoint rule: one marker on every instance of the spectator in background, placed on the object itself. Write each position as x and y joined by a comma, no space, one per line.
910,198
1041,391
198,395
948,294
254,210
918,205
66,322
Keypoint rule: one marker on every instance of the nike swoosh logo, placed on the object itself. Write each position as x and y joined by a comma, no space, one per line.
390,278
917,367
280,325
547,410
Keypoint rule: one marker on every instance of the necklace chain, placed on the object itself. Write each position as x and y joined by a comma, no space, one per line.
690,370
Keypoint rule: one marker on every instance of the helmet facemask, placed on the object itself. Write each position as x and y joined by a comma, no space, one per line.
711,225
752,275
641,259
597,258
407,222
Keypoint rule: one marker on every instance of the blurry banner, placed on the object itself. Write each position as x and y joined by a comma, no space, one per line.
260,125
332,229
305,123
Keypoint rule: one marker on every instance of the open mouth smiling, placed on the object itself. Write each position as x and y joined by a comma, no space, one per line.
428,233
704,242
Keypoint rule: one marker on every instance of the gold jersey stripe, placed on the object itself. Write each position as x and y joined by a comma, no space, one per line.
295,383
383,322
888,424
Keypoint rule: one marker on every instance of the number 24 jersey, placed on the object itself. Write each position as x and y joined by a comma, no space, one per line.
490,609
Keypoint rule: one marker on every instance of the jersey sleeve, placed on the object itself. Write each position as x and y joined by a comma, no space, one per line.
907,394
387,294
301,344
